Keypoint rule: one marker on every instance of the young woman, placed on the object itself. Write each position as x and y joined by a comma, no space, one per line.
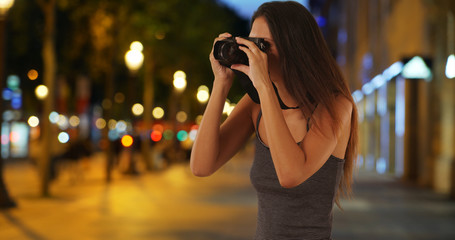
305,155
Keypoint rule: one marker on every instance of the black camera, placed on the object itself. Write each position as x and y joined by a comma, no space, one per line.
227,51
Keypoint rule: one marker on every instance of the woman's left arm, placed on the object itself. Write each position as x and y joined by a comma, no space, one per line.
293,163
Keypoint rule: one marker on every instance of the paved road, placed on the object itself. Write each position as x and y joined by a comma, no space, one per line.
174,205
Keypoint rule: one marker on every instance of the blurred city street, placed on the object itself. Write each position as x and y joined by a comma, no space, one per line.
172,204
93,90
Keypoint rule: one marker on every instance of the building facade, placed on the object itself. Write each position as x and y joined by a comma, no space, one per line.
407,120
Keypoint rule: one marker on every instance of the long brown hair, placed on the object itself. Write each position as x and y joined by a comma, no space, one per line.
310,72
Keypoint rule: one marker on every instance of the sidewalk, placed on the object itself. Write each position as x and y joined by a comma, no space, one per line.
174,205
167,205
385,208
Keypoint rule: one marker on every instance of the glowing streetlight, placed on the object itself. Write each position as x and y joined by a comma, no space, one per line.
158,112
137,109
63,137
5,5
134,57
179,80
33,121
137,46
203,94
41,92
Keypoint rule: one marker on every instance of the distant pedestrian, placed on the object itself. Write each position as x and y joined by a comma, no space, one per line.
305,153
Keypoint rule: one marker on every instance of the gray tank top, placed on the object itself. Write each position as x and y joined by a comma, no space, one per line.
302,212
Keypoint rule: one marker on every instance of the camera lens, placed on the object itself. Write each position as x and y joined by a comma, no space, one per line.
228,50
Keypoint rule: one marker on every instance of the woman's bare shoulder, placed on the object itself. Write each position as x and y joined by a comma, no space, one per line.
343,107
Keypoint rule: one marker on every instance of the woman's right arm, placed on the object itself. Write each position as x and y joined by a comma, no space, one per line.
214,144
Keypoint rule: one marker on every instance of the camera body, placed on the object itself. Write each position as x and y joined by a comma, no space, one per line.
227,51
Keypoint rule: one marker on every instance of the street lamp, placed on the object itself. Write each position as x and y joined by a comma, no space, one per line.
179,80
179,86
41,92
5,5
203,94
134,58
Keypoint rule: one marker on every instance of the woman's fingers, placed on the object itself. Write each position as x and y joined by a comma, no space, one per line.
242,68
252,46
225,35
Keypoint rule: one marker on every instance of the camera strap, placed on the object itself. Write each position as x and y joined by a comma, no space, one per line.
247,85
282,105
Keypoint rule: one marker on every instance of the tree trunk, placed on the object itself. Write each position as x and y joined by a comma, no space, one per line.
49,73
148,105
5,200
110,148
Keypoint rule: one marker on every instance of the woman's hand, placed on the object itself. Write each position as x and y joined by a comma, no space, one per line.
222,73
258,70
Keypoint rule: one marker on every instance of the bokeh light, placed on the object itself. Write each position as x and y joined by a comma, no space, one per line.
158,127
193,133
127,141
203,94
74,121
13,82
156,136
121,126
14,137
7,94
134,58
100,123
158,112
32,74
53,117
62,122
181,116
179,80
137,46
41,92
33,121
63,137
182,135
168,134
112,124
180,74
137,109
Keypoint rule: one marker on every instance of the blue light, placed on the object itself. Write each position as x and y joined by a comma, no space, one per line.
63,137
7,94
378,81
368,88
321,21
16,103
357,95
400,107
113,135
381,166
393,71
